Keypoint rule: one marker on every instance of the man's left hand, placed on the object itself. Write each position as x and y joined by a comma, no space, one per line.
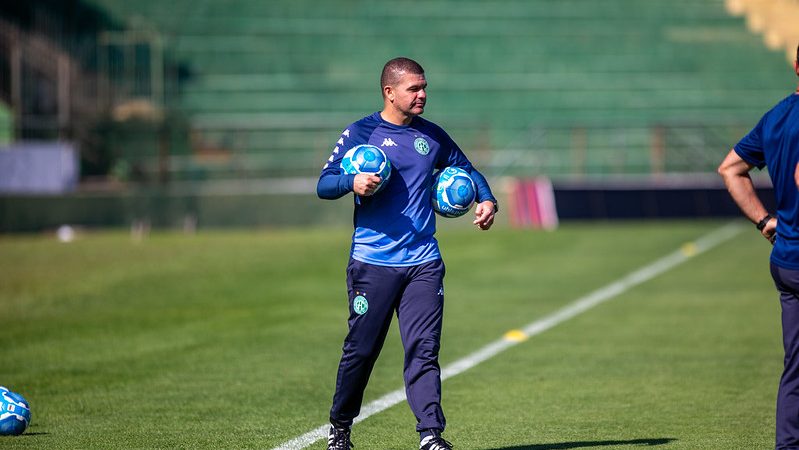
484,215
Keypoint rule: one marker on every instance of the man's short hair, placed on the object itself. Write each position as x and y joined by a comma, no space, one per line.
394,69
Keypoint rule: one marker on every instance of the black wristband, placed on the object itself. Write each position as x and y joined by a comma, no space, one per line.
762,224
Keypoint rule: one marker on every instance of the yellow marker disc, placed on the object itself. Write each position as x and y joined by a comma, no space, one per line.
516,336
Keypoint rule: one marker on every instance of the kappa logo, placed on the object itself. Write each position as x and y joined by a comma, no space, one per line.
340,141
346,133
388,142
441,290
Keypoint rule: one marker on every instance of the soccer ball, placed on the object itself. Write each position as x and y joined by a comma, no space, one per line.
454,192
15,413
367,158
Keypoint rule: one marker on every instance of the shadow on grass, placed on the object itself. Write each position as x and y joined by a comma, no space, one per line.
23,435
588,444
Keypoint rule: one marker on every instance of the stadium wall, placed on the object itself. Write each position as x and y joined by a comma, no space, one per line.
166,209
191,208
575,202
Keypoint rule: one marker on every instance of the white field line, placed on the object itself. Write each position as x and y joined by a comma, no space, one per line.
581,305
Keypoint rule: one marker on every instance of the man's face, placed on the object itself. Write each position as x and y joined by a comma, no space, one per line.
408,95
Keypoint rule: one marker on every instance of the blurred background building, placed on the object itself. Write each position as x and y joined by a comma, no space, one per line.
222,112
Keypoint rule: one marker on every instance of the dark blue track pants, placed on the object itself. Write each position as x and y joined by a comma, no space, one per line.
787,282
416,294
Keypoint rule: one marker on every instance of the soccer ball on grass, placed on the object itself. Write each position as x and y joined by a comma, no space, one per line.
15,413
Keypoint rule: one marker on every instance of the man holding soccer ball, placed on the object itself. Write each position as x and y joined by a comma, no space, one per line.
774,143
395,264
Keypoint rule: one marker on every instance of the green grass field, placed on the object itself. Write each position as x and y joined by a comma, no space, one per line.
232,339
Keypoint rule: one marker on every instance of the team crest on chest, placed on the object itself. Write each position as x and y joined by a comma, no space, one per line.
421,146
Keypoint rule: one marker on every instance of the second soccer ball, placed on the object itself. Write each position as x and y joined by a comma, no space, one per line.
454,192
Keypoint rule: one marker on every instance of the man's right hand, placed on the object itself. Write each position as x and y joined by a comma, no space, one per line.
770,230
365,184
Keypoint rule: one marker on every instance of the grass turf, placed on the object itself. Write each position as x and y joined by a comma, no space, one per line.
231,340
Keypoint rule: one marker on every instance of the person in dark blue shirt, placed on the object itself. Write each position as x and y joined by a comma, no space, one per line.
395,265
774,143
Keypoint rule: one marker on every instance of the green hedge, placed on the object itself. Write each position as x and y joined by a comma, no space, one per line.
163,209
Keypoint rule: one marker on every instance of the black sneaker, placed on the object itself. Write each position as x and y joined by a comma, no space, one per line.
434,442
339,439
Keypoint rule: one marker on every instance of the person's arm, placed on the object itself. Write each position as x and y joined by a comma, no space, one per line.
333,182
332,185
486,207
735,172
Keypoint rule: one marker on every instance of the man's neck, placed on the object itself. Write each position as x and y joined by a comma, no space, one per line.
396,118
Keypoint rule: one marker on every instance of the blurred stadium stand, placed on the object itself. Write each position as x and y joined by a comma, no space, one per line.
243,91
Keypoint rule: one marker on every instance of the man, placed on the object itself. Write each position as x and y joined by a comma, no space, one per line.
774,143
395,264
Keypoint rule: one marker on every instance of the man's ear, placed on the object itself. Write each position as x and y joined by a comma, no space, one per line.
388,92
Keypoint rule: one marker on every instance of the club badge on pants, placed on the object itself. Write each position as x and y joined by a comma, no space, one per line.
360,305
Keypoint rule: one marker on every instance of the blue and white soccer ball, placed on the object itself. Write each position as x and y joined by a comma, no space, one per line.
454,192
367,158
15,413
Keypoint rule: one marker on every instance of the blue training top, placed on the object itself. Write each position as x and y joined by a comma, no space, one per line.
395,226
774,142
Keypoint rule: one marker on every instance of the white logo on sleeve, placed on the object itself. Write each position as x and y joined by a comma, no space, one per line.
387,142
346,133
340,141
